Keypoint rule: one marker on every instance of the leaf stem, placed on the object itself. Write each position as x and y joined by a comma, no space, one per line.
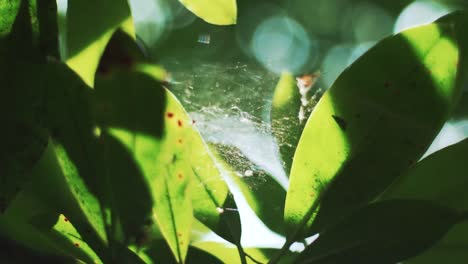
252,258
293,237
242,254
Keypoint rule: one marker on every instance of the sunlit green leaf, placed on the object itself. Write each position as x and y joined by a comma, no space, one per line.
73,242
169,152
218,12
209,191
228,253
90,25
8,11
159,252
133,107
385,232
394,98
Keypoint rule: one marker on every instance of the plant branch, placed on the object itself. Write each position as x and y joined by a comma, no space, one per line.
252,258
242,254
294,236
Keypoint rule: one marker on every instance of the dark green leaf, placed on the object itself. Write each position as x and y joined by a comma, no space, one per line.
32,218
440,177
90,25
24,138
385,232
451,249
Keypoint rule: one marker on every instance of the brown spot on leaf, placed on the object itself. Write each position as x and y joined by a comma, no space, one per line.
179,123
77,245
170,115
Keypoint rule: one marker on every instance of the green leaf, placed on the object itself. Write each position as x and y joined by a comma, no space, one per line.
21,102
394,98
8,11
214,204
90,25
33,221
385,232
440,177
257,188
72,241
132,107
228,253
24,136
451,249
218,12
77,152
288,114
169,152
21,42
159,252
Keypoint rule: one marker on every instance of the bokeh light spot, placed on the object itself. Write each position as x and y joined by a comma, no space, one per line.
281,44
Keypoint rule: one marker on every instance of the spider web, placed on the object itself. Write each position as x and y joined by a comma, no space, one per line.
230,103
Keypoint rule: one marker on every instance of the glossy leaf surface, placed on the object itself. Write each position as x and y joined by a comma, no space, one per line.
394,98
